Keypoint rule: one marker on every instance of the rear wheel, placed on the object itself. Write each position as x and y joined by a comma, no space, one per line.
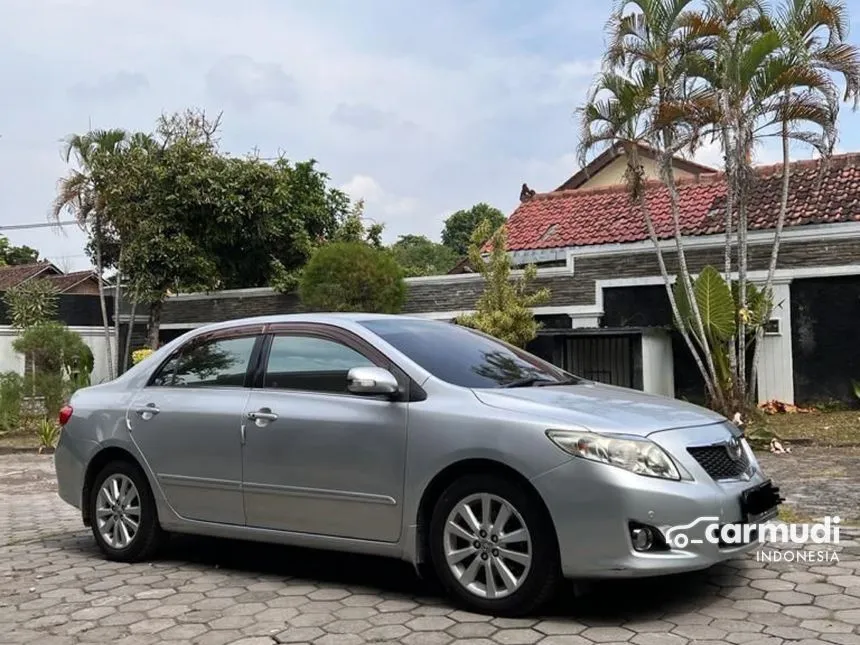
122,511
493,547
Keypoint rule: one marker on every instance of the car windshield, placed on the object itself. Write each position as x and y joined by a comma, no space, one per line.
465,357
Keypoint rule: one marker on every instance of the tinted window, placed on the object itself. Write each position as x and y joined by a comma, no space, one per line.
310,363
216,363
461,356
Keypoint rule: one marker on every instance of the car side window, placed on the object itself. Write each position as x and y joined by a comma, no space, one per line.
311,364
220,362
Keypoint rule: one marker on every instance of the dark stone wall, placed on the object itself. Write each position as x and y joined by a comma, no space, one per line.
576,289
825,338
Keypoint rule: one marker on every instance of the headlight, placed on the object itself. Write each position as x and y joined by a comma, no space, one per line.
639,456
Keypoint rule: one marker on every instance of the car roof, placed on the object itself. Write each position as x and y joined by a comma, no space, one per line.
326,317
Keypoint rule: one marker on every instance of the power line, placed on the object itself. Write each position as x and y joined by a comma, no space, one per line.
18,227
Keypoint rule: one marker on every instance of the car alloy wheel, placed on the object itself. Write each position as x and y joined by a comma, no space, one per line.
493,545
488,546
118,511
122,513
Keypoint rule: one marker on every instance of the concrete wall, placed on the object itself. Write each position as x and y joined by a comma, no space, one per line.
11,361
613,174
658,373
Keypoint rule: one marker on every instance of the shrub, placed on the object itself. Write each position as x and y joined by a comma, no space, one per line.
11,393
55,348
140,354
47,432
353,276
62,364
31,303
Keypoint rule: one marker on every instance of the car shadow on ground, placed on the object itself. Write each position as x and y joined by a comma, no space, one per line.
596,603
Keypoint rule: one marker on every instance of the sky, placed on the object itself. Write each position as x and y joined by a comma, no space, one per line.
419,108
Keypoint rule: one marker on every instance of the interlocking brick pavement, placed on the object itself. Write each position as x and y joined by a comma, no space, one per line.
56,589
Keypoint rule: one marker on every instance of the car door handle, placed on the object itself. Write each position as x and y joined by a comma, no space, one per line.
146,412
262,415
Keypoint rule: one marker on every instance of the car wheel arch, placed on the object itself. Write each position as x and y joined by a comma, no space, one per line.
98,461
448,475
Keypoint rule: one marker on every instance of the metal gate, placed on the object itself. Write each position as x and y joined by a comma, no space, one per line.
605,359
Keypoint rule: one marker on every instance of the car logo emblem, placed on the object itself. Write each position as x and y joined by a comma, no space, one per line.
733,447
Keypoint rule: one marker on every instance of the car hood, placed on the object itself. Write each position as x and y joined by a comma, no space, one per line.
600,408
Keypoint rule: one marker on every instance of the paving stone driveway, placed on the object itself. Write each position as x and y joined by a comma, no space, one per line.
54,588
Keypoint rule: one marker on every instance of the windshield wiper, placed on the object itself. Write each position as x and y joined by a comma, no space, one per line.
529,381
569,381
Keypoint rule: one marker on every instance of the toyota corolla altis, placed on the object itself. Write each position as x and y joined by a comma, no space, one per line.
409,438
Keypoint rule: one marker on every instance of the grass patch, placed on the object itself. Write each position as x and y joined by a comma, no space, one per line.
837,428
19,439
790,515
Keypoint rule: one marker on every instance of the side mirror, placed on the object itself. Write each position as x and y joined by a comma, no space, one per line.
371,380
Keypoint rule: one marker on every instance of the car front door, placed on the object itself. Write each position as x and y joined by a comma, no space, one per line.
318,459
187,424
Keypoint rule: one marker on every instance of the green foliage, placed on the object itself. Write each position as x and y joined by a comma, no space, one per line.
55,349
461,226
420,256
715,303
720,310
856,386
351,229
352,276
15,255
504,309
31,303
11,393
47,432
180,215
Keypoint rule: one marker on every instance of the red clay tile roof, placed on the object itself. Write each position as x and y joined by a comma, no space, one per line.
68,280
11,276
587,217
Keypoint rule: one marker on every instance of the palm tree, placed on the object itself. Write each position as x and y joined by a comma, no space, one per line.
655,39
78,194
619,112
813,49
738,73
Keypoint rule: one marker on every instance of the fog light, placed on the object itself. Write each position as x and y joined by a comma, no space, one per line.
642,538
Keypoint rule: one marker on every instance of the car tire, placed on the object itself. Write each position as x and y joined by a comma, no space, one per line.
120,500
524,573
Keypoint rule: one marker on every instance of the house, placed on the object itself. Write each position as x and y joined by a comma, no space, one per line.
78,306
609,318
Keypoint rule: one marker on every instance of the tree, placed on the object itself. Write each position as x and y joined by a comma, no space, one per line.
352,276
31,303
16,255
184,216
459,227
504,309
80,193
420,256
736,72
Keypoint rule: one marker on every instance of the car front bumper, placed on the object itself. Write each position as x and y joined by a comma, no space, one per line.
593,504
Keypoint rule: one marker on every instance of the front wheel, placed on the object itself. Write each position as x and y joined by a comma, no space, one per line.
493,547
123,515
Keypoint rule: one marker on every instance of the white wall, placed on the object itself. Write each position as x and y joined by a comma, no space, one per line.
658,367
11,361
776,367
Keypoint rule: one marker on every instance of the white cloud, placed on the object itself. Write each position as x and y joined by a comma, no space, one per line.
381,206
442,107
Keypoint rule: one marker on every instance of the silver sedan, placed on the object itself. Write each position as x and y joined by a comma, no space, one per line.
405,437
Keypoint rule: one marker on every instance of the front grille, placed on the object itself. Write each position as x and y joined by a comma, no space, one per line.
718,463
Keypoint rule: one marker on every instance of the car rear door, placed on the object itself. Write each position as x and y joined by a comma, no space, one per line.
187,424
317,458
